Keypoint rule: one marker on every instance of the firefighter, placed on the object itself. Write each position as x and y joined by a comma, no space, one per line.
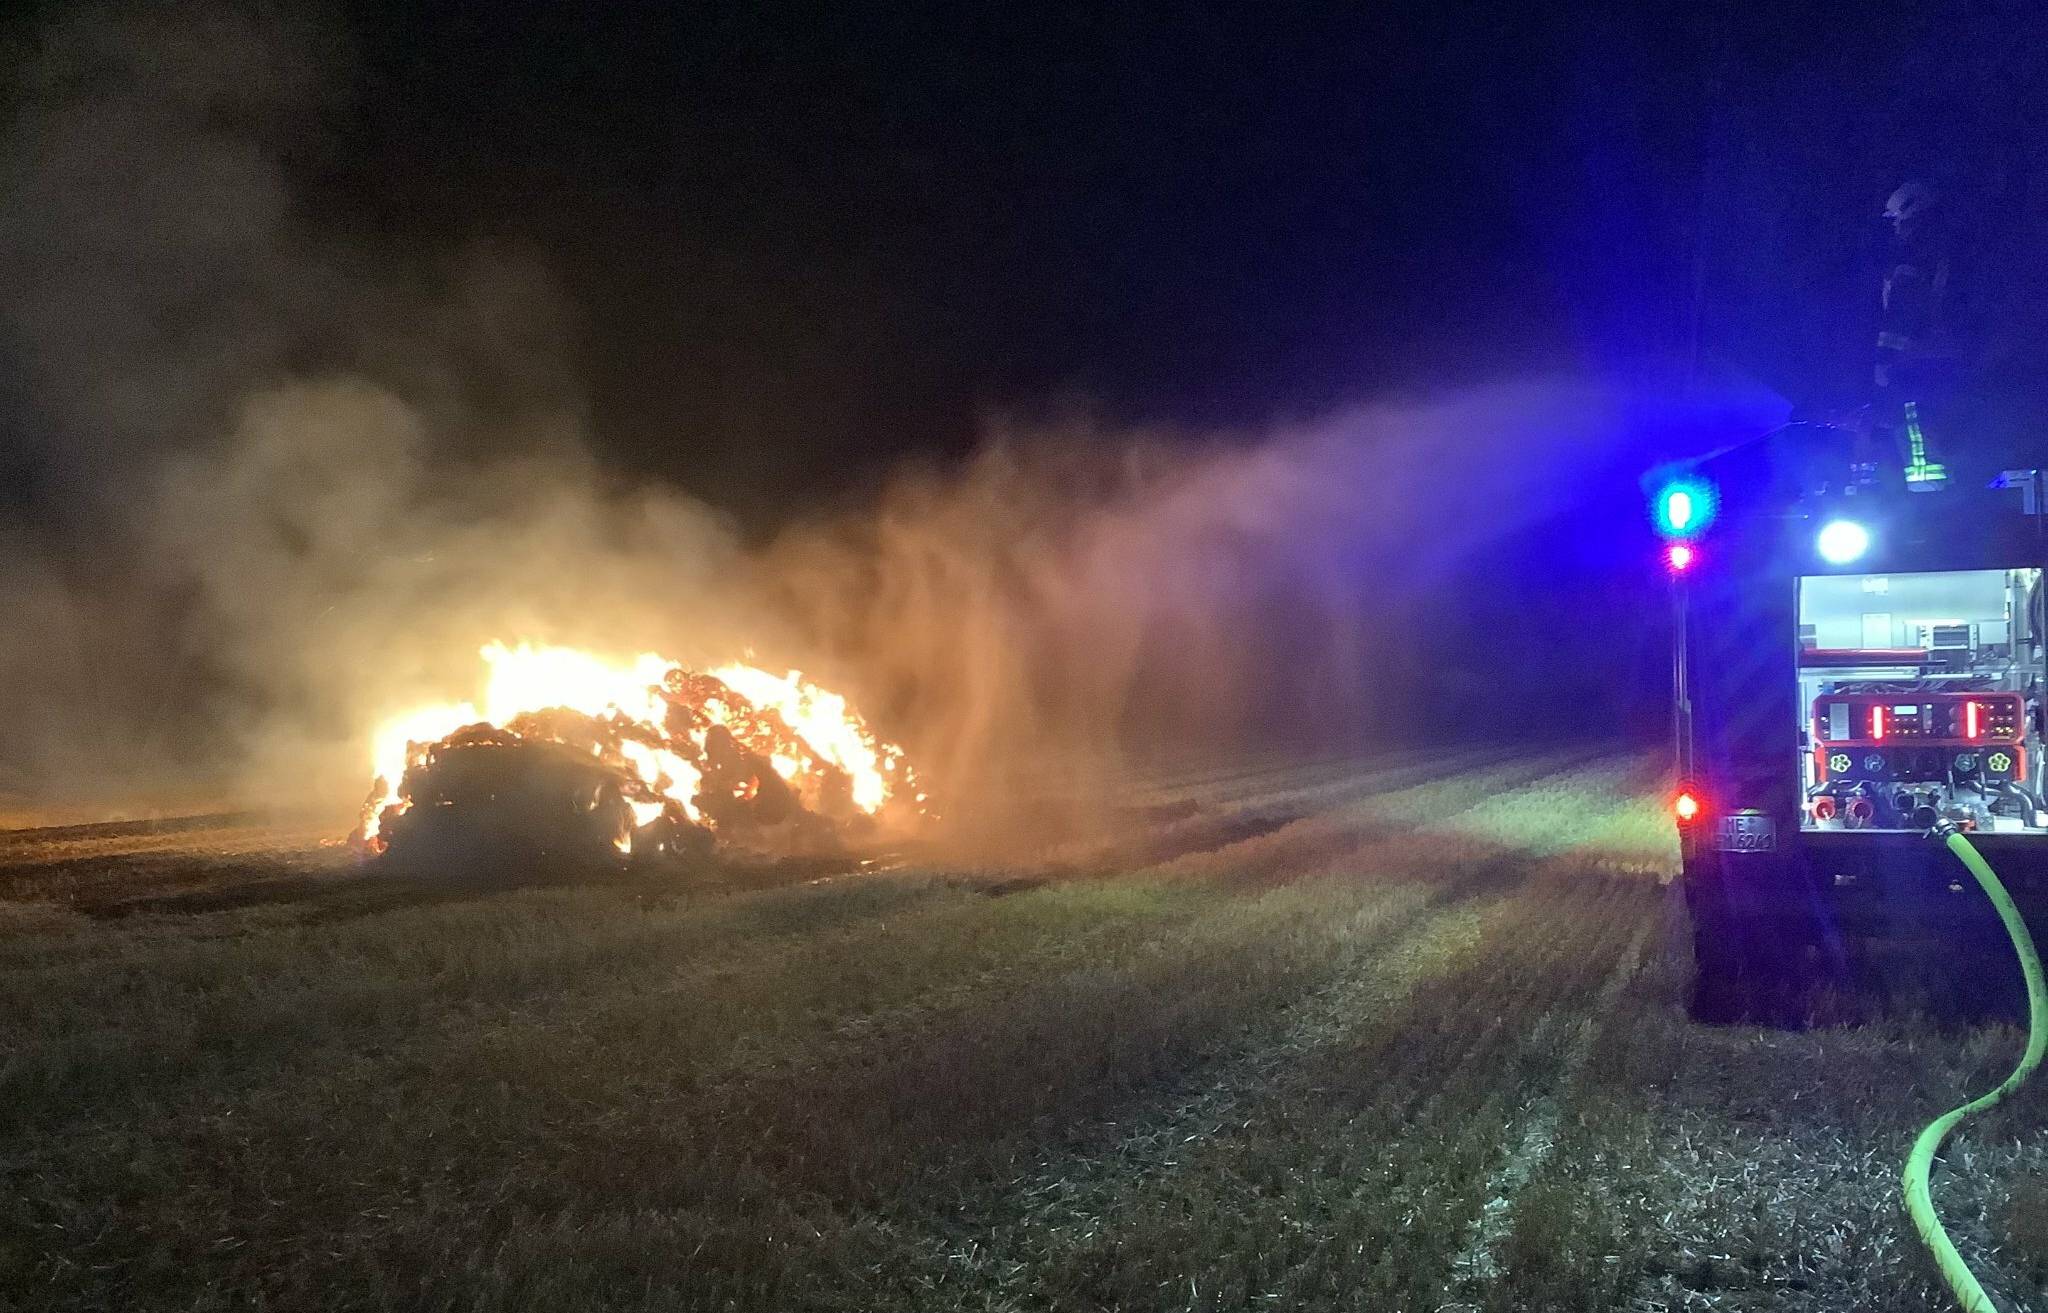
1917,359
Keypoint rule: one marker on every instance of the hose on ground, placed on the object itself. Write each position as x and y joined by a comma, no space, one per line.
1919,1203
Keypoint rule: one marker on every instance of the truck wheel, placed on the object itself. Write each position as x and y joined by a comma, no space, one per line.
1719,978
1752,967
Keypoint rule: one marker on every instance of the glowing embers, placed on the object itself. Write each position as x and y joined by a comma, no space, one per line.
574,748
1842,541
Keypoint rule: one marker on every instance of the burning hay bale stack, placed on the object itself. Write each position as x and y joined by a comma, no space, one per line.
573,757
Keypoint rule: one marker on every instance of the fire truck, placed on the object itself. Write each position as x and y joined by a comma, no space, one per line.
1858,662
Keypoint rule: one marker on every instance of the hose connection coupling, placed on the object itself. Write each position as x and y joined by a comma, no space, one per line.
1943,828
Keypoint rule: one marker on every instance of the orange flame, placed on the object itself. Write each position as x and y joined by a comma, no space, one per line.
656,716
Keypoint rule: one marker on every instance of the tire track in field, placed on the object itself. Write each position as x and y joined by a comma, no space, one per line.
1390,819
1074,1190
1220,826
458,1090
1348,847
1229,782
420,979
823,1135
497,1105
1535,1136
717,946
1348,1154
908,1112
1323,787
1395,894
1073,1195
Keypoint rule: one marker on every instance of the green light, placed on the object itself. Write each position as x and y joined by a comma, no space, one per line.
1685,507
1921,473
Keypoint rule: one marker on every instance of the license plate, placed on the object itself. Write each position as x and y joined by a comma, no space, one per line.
1746,832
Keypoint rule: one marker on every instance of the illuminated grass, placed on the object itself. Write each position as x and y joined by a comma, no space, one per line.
1740,1169
1296,1058
1356,1172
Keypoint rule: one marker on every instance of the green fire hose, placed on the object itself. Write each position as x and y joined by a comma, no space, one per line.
1919,1205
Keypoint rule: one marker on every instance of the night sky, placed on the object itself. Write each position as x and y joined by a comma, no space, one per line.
800,240
796,242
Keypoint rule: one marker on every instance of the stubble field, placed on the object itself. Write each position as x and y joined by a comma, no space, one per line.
1373,1033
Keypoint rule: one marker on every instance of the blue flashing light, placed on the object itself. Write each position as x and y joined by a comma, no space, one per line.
1685,507
1842,541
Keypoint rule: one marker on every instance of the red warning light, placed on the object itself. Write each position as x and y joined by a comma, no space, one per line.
1685,806
1971,722
1680,556
1876,724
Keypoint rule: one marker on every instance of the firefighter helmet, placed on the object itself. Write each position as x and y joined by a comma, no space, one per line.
1909,202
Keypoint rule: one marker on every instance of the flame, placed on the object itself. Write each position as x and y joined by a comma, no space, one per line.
826,724
651,718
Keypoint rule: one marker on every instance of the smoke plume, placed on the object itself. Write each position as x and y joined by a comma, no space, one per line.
271,482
